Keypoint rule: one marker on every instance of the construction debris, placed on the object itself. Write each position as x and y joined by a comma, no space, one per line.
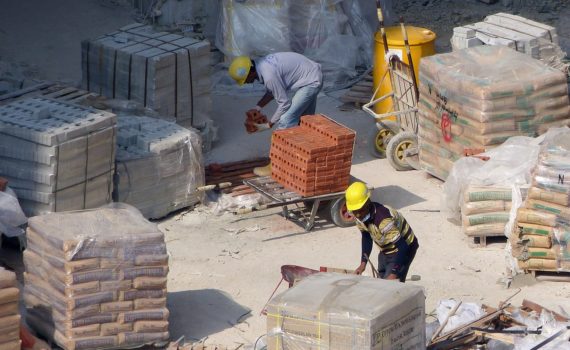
159,166
96,279
506,327
57,156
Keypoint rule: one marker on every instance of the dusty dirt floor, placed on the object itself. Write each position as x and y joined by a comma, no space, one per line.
224,267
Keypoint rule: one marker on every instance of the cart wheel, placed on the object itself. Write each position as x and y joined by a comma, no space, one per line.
380,137
396,148
339,214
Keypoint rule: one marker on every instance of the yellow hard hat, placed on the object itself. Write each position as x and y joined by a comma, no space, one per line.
356,196
239,69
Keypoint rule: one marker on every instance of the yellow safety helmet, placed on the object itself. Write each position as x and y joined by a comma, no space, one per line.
356,196
239,69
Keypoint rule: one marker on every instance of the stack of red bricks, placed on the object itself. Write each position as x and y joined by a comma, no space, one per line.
313,158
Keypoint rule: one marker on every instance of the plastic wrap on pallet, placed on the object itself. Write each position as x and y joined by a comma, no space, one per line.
11,214
510,164
336,33
482,96
96,279
159,165
336,311
541,234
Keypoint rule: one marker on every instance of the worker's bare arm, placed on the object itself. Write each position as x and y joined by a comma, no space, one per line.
268,97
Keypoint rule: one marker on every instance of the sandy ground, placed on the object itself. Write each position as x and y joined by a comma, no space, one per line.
221,278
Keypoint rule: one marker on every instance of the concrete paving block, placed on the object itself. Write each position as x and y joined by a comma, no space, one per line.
123,69
536,29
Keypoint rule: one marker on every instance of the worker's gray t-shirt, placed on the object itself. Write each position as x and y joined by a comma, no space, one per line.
286,71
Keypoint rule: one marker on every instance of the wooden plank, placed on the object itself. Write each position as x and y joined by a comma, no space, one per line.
18,93
527,304
59,93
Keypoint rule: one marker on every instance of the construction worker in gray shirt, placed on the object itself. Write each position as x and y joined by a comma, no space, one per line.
281,73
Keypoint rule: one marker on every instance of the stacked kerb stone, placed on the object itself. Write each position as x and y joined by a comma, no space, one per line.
9,311
57,156
159,166
168,73
313,158
96,279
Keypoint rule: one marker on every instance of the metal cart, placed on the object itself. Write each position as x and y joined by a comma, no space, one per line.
284,198
398,128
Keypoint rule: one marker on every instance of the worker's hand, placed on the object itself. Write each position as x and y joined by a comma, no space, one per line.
264,126
360,269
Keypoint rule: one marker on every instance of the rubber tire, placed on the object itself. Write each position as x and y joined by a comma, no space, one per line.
337,211
379,138
397,145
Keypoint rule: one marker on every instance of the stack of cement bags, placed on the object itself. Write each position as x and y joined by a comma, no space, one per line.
479,97
57,156
159,166
337,311
9,312
485,211
96,279
542,231
166,72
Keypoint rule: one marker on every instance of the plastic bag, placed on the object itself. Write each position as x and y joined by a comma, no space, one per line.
509,164
335,33
466,313
11,214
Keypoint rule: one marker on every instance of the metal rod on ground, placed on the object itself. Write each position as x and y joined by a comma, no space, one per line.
444,323
548,340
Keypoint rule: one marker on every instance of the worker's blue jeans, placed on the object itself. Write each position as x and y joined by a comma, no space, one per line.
304,102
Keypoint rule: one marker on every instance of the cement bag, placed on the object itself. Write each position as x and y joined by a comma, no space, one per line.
536,217
549,196
485,229
485,218
510,165
538,264
11,214
480,207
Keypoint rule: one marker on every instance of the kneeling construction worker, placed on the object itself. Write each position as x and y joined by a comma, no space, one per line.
387,228
281,73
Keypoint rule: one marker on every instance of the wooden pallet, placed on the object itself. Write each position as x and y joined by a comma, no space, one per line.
360,93
481,241
235,173
49,90
550,275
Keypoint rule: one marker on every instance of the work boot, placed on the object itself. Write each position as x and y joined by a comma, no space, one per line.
263,170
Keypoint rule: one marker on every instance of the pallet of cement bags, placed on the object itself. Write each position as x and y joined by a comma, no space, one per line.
57,156
158,167
168,73
336,311
541,237
96,279
9,311
480,97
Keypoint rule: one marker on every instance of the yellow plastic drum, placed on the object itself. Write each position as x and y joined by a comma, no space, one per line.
422,43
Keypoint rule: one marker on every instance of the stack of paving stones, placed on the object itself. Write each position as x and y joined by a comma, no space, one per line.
57,156
96,279
168,73
482,96
9,312
159,165
313,158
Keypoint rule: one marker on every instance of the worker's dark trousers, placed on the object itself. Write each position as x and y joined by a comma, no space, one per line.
398,263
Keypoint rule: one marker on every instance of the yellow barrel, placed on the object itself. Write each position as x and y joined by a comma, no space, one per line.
422,43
